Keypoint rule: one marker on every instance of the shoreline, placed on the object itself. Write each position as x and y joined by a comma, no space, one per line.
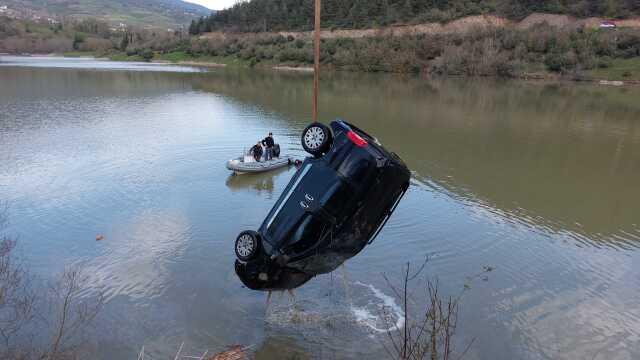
308,70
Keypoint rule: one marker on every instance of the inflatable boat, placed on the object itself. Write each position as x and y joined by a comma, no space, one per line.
247,164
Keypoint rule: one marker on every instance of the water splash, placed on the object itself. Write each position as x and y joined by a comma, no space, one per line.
387,310
269,294
345,280
366,308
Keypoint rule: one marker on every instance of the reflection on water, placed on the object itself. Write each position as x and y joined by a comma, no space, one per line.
136,258
261,182
566,156
89,64
537,180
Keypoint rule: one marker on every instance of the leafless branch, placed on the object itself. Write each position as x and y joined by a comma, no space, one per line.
429,335
17,298
27,314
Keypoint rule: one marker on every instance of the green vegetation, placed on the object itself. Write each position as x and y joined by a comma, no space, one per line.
77,54
85,37
507,52
176,56
539,51
276,15
124,57
618,69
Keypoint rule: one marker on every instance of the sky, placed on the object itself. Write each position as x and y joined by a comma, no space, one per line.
214,4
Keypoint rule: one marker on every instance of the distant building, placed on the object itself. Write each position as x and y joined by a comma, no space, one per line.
608,25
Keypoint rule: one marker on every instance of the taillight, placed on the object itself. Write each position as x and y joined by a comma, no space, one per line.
356,139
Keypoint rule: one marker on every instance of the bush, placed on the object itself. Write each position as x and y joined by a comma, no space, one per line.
78,39
604,62
559,62
147,55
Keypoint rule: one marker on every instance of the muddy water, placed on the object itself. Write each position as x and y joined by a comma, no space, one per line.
537,180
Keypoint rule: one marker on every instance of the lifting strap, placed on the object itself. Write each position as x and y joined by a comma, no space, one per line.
316,64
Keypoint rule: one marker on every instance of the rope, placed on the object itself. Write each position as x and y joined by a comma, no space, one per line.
316,65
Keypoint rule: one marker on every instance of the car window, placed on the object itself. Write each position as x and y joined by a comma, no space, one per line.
356,168
312,190
307,235
338,199
287,196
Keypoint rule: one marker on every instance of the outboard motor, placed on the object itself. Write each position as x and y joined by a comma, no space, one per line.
276,150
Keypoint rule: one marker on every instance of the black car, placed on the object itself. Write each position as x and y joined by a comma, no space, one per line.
336,204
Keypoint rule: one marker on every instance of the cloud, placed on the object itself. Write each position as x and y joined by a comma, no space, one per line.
214,4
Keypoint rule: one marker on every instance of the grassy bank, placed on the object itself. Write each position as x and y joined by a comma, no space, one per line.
541,51
604,68
181,57
619,70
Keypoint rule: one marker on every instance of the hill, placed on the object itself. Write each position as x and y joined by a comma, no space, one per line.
160,13
278,15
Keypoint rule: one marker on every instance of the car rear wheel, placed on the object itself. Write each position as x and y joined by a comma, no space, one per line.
247,245
316,139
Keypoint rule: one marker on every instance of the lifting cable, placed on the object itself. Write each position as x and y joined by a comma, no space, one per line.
316,64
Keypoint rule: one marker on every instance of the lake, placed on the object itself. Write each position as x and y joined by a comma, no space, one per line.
538,180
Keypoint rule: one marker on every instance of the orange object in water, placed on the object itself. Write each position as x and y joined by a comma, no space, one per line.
234,353
99,237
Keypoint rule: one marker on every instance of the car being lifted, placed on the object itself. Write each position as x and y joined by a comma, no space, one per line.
335,205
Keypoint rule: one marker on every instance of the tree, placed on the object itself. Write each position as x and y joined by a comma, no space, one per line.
78,39
298,14
124,44
193,28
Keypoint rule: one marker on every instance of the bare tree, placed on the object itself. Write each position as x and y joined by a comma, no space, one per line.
72,313
429,334
17,299
26,313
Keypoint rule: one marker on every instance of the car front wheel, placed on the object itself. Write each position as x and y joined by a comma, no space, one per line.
247,245
316,139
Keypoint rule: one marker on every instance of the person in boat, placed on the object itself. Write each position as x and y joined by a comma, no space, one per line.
256,151
268,143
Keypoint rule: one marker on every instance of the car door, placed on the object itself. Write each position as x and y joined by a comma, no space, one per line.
301,214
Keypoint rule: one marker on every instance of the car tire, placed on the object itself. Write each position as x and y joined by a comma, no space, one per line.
316,139
247,245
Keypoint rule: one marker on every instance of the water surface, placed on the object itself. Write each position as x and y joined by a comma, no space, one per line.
537,180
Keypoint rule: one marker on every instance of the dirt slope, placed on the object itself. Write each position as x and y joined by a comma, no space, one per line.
457,26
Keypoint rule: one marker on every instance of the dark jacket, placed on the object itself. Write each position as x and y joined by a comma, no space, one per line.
268,142
256,151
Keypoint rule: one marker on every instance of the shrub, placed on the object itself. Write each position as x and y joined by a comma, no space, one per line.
147,55
559,62
78,39
604,62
